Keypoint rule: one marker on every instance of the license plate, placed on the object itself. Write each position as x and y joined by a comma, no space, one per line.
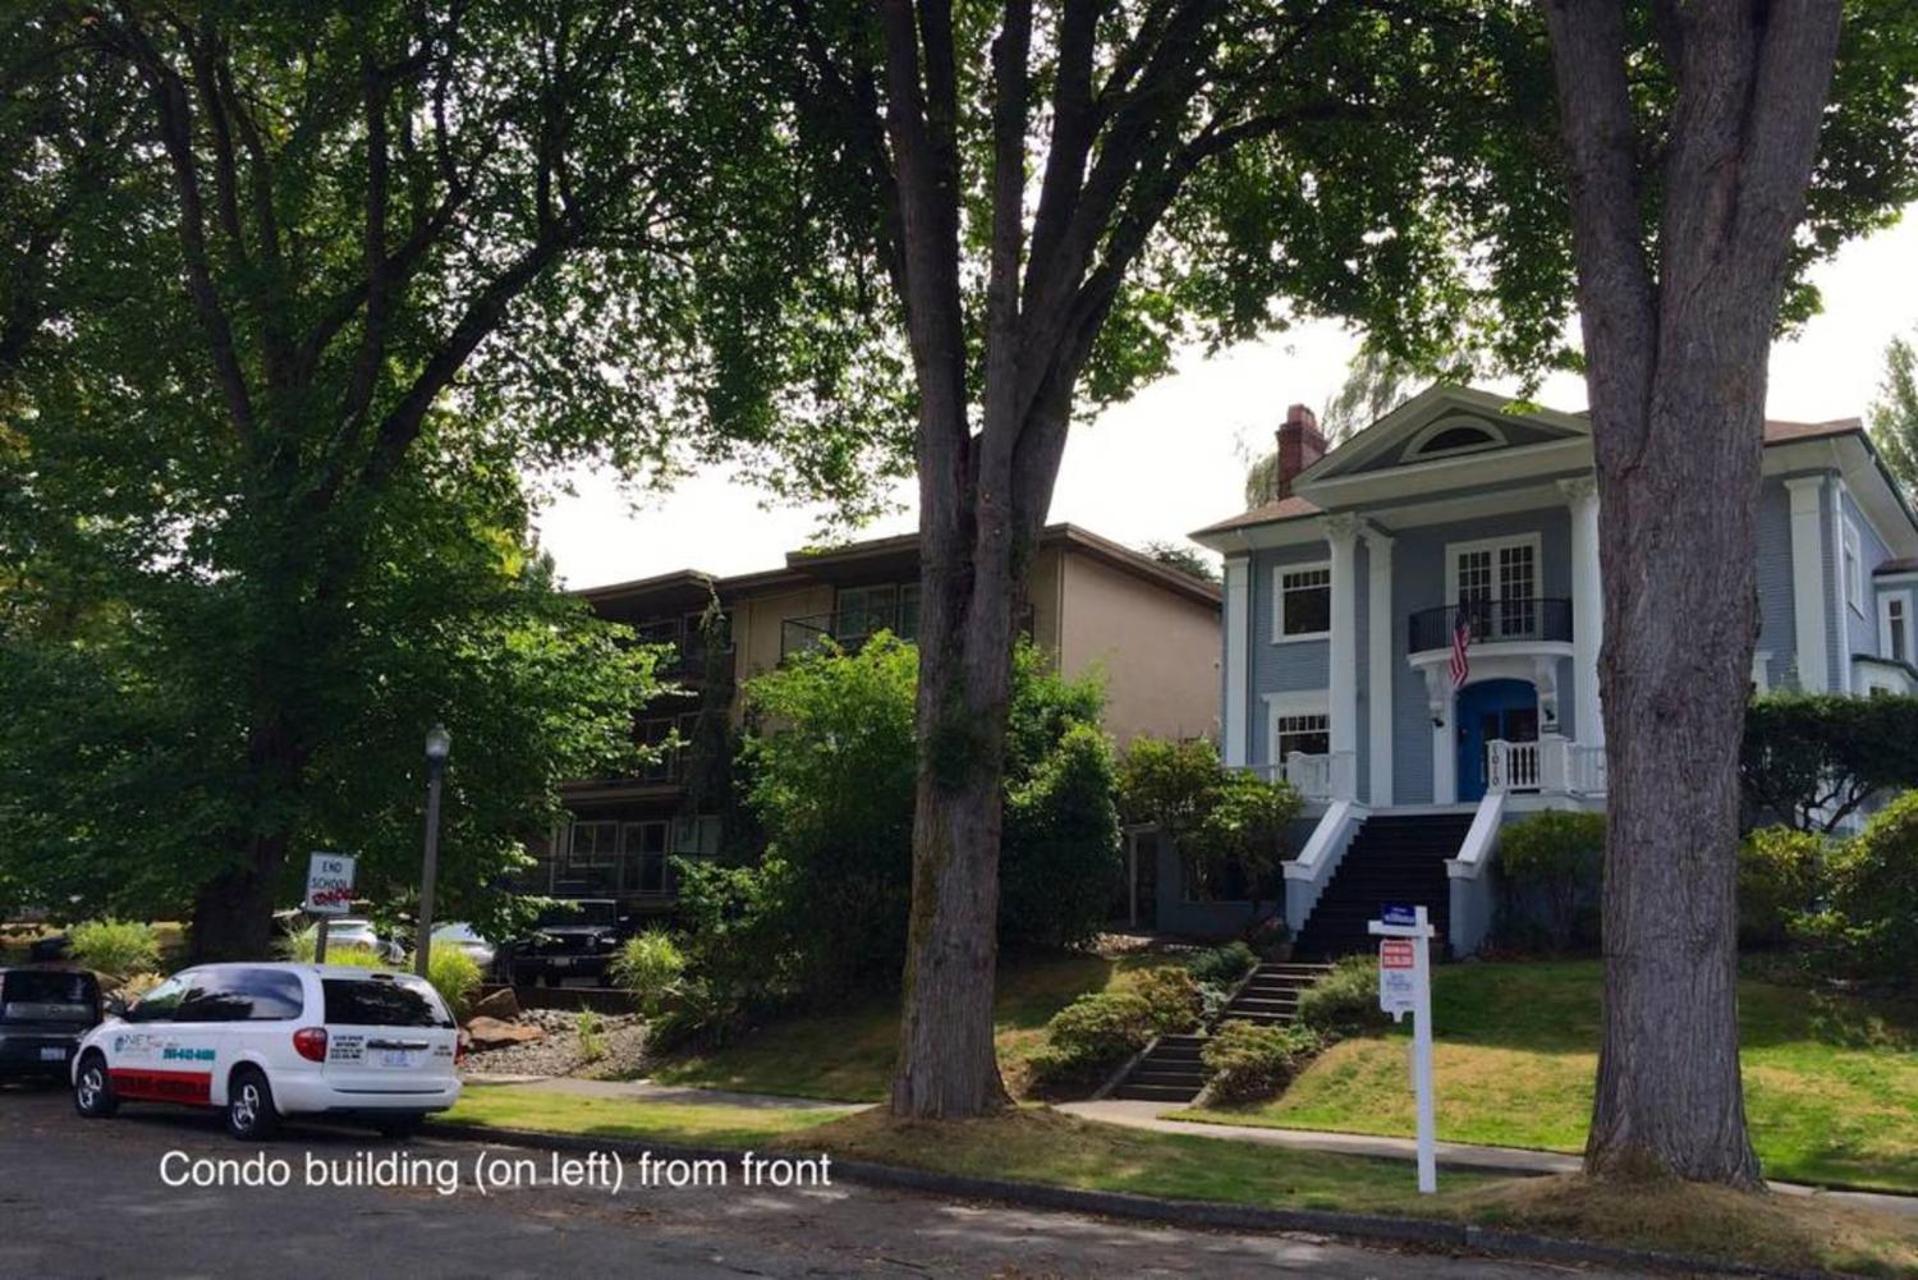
562,962
56,1053
397,1058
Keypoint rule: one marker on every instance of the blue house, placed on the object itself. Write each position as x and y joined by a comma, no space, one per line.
1411,635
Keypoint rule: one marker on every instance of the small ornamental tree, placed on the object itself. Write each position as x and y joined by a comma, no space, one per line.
1811,760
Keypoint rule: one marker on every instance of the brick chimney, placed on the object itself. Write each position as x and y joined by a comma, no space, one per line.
1300,445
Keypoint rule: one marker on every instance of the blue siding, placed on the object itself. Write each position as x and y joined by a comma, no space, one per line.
1777,625
1862,628
1418,582
1294,666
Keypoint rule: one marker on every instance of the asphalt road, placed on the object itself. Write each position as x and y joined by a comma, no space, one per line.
88,1198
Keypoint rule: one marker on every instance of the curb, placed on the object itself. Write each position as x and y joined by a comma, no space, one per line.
1208,1214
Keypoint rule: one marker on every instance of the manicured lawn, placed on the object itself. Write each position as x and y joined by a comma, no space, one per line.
509,1106
1035,1144
848,1054
1831,1083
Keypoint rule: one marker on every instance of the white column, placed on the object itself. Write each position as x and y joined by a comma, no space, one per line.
1840,585
1384,626
1238,632
1343,533
1442,704
1809,609
1588,608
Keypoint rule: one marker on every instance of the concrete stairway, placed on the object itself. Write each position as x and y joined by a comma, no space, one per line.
1171,1071
1396,858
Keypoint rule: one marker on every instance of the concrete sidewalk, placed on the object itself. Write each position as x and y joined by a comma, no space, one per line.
1457,1155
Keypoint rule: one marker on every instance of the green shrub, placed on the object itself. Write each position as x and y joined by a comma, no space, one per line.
1873,895
1246,1062
592,1041
117,948
650,966
830,773
1223,966
1778,871
1094,1033
1346,1000
1061,863
1171,993
1554,858
455,975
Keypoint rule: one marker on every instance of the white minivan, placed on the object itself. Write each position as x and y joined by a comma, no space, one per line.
264,1041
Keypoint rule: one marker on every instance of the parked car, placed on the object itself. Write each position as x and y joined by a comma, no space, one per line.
576,938
267,1041
467,939
357,931
43,1015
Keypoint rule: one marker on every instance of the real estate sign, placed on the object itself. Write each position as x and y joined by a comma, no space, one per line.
1398,977
329,883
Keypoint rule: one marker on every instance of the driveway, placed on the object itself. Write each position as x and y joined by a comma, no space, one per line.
86,1198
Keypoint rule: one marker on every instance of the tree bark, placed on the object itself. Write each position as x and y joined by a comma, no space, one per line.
1676,352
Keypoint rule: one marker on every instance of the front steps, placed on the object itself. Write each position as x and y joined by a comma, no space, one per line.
1271,994
1171,1071
1396,858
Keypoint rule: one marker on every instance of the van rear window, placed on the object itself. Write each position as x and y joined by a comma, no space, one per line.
26,996
365,1002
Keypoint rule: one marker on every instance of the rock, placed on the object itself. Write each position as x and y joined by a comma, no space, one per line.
502,1004
491,1033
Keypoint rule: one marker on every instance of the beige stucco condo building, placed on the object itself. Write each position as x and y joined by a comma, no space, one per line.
1092,604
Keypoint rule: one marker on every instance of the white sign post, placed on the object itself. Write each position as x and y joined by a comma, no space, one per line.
1405,986
329,892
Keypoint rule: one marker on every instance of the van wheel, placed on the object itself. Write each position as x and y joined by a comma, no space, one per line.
250,1114
400,1128
93,1095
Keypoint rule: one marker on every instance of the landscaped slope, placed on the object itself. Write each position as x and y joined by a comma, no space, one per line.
847,1054
1831,1082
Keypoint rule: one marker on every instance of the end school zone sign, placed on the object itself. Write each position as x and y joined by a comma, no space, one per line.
329,883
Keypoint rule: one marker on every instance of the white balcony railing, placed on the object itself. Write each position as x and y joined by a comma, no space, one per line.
1333,775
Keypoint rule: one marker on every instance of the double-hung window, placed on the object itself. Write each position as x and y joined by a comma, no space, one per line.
1854,568
1309,734
1894,627
1303,605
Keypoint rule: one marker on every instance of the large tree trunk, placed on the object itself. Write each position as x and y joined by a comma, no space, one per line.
233,909
1676,348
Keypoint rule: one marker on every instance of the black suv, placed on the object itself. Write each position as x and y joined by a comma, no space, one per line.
43,1014
575,938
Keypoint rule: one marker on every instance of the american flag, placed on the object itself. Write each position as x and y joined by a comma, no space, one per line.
1461,639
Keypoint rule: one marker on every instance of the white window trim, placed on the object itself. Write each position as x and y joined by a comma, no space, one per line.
1761,670
1853,556
1278,601
1416,451
1453,550
1298,702
1885,600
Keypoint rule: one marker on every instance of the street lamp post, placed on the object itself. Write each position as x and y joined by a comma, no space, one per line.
439,745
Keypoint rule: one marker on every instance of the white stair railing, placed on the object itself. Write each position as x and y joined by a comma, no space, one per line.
1511,766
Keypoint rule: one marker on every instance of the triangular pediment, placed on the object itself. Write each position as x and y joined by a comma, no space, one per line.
1443,423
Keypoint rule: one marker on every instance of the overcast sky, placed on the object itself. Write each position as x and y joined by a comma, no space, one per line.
1173,459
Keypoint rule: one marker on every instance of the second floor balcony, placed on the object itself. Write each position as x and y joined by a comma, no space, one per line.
849,629
1533,618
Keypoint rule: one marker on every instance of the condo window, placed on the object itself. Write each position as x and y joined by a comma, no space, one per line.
1304,601
1897,630
594,844
1309,734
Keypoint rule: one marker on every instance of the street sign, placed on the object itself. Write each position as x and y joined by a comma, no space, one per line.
1397,913
329,884
1398,977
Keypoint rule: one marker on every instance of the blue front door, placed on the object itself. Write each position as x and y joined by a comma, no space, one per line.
1491,709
